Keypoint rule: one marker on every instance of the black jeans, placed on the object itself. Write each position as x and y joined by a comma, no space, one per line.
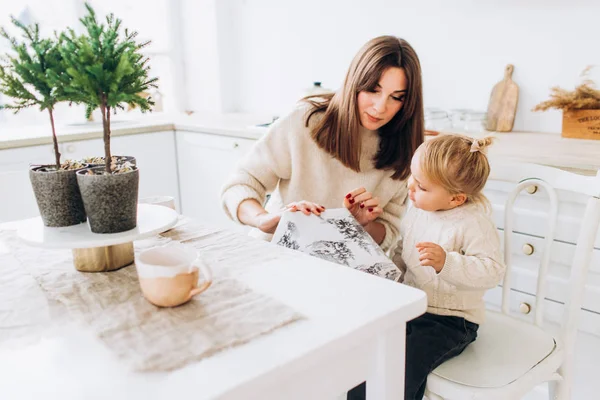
430,340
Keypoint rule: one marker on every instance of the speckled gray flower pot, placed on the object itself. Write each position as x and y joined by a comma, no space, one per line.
57,195
110,200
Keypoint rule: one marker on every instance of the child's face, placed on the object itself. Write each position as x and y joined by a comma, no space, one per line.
427,195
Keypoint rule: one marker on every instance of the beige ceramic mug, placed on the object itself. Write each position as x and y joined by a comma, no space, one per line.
169,275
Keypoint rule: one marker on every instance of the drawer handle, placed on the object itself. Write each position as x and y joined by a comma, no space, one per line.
525,308
236,145
532,189
528,249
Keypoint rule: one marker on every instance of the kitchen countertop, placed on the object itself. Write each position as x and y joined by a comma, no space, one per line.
237,125
552,149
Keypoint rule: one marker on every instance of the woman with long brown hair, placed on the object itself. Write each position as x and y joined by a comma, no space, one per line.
357,141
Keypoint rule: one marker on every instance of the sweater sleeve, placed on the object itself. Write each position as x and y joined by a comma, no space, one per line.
396,250
269,161
391,216
481,266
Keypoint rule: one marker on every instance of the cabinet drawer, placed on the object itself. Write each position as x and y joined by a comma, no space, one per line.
553,311
531,212
20,158
561,253
205,164
215,142
80,149
525,268
18,200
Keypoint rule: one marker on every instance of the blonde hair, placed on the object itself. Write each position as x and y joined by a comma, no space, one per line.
337,132
459,164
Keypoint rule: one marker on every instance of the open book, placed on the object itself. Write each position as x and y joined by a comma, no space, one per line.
334,236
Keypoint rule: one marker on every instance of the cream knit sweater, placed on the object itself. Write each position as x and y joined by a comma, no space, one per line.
288,163
473,259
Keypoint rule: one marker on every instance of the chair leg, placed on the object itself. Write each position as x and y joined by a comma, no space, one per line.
559,390
432,396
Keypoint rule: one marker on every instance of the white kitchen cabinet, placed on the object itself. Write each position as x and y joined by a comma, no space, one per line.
155,154
205,163
17,199
529,226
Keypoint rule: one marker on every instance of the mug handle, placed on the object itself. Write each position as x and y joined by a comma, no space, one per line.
207,274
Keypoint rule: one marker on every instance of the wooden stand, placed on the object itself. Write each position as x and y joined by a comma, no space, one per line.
103,259
99,252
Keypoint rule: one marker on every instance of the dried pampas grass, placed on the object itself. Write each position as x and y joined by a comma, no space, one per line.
584,97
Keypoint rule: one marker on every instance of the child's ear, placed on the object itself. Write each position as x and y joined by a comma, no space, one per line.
458,199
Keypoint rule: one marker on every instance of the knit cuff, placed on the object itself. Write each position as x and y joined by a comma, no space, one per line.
452,261
233,197
388,240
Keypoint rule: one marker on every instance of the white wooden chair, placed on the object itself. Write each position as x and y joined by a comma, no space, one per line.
511,356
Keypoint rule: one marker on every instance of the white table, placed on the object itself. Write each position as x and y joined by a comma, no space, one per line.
354,331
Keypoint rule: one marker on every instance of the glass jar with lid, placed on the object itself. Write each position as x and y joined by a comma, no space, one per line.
474,121
457,117
316,89
437,120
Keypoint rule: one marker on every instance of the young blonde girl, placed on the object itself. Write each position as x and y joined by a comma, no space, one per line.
450,249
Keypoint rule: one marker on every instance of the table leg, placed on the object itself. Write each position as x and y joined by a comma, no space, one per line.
103,259
386,380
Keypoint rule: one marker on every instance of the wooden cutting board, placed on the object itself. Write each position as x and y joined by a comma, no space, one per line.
503,103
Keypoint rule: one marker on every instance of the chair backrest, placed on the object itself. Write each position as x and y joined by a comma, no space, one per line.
552,180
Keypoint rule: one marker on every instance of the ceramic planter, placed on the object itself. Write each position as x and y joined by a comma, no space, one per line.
110,200
57,195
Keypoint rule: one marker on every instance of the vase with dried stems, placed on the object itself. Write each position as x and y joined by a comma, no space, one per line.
580,107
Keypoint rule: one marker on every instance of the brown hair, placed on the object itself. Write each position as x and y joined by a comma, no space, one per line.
338,131
458,163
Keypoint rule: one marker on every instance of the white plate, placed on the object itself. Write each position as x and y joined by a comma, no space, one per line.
151,220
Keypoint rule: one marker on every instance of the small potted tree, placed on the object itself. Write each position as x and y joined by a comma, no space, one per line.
105,69
30,77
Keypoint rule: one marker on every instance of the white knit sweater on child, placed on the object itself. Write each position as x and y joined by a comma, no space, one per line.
473,258
288,163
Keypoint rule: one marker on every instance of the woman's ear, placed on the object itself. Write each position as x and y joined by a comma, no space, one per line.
458,199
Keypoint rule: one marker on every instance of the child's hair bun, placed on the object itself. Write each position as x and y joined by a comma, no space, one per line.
481,145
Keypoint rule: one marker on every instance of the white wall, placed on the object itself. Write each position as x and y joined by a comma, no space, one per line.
270,50
201,54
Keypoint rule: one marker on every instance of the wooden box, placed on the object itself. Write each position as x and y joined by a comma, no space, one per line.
581,124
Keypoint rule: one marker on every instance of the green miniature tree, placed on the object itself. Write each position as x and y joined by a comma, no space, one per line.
30,76
105,70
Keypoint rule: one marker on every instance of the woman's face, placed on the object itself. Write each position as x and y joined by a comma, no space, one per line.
378,107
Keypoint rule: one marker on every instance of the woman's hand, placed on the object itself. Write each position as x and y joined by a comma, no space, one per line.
267,222
307,207
363,206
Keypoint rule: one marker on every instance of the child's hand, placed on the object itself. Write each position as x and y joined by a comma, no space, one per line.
432,255
307,207
362,205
